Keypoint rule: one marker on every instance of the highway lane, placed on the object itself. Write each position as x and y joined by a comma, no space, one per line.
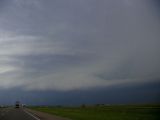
26,114
16,114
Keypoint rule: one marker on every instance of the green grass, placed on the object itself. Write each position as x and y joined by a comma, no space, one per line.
117,112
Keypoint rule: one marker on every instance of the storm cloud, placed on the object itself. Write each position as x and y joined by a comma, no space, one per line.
78,44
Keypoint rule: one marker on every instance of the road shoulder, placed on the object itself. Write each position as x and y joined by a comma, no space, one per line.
45,116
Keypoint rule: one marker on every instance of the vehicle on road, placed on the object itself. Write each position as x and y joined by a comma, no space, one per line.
17,104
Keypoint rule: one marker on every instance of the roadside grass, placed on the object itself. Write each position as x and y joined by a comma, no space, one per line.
113,112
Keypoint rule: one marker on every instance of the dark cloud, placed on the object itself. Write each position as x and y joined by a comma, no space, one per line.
130,94
67,45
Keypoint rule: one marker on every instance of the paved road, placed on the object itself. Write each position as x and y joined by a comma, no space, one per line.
15,114
26,114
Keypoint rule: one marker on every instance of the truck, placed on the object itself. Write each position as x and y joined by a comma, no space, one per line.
17,104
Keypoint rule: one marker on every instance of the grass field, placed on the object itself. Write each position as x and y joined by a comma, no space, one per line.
114,112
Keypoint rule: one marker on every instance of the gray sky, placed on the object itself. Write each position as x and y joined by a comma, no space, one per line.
77,44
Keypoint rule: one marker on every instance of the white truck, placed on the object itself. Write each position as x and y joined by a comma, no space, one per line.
17,104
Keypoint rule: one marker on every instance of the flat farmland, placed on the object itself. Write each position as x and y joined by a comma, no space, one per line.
105,112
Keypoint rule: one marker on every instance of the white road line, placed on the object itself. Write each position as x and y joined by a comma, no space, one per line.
31,115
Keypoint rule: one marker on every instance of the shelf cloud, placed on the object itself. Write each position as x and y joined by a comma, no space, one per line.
78,44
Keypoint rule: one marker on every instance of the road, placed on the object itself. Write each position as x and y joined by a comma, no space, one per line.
26,114
16,114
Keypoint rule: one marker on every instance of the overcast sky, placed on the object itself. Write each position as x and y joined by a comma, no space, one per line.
65,45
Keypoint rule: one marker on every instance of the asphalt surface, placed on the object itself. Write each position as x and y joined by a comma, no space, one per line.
16,114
